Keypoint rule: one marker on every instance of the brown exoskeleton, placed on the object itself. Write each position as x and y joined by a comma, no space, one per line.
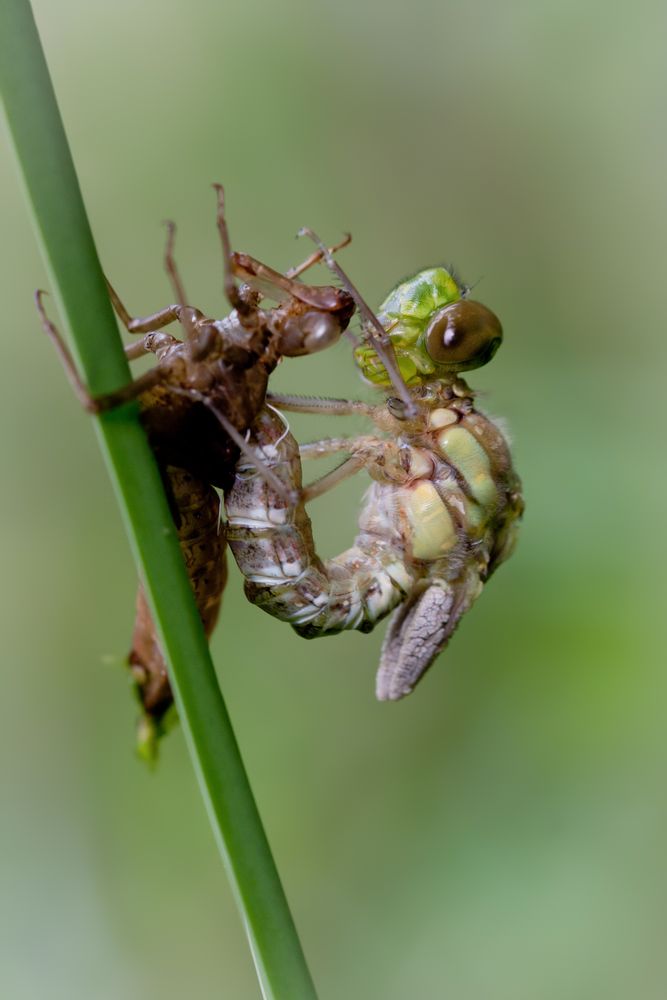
197,403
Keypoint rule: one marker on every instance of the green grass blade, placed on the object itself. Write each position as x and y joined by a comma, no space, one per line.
67,243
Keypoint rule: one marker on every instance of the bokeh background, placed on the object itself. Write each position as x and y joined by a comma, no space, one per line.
499,835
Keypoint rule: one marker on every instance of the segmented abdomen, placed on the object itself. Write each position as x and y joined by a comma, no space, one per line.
196,509
272,543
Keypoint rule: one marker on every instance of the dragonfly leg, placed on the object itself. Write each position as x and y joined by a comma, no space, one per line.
330,446
315,404
325,447
343,471
378,336
190,318
316,257
243,305
150,344
147,324
136,350
364,450
255,273
105,401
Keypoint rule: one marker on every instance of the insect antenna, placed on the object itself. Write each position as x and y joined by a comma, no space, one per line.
467,289
381,343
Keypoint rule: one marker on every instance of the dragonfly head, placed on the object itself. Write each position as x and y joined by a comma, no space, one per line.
434,329
308,325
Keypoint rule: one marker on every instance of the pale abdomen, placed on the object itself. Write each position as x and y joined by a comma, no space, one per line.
436,521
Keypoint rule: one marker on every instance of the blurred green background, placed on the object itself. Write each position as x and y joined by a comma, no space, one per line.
500,834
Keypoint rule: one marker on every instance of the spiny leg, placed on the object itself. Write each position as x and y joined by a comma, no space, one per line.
106,401
62,350
191,319
316,257
148,324
175,278
251,270
381,343
267,280
363,444
232,292
327,446
315,404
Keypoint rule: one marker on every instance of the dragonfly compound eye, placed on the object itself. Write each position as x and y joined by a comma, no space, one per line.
310,333
463,335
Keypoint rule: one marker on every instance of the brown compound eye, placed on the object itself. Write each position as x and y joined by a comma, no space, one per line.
309,333
463,335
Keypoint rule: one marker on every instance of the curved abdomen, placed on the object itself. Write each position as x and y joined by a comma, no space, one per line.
272,542
438,519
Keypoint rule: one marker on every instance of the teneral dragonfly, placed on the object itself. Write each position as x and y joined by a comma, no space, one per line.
441,513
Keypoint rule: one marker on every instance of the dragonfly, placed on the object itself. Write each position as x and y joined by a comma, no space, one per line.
444,503
197,404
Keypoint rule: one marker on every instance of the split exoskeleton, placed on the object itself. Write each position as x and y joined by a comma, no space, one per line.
440,515
443,508
197,405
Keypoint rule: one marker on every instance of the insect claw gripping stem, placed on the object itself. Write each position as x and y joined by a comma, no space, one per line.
108,400
119,308
381,343
88,402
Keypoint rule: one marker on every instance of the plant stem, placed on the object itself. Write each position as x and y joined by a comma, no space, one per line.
67,244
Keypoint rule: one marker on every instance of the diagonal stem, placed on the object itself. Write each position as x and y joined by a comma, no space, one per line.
66,241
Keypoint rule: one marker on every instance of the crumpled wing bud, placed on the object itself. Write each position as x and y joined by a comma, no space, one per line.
418,631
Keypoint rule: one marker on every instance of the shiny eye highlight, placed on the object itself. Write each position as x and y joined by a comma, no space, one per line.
311,332
463,335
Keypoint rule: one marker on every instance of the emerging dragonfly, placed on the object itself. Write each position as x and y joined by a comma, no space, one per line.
197,404
442,511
